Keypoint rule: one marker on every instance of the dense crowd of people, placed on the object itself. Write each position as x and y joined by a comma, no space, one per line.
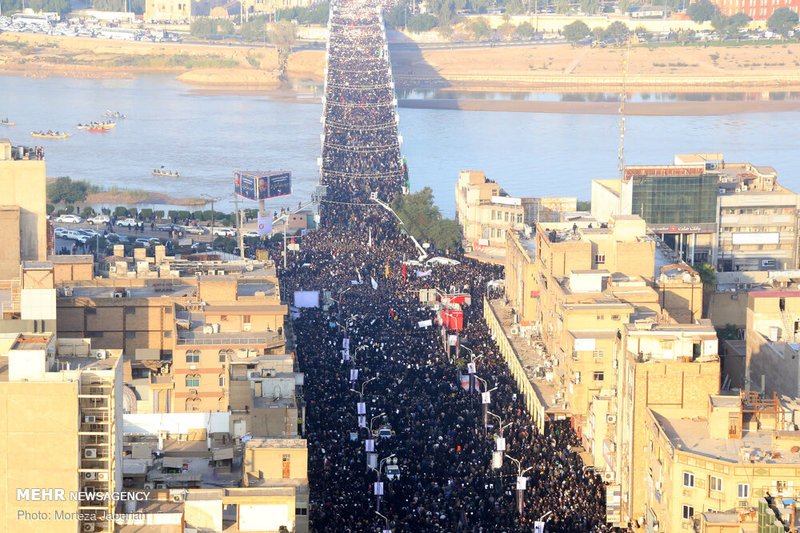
374,321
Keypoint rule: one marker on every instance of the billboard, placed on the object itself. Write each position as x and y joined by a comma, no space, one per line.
258,185
245,185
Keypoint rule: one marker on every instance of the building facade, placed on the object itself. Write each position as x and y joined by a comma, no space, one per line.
755,9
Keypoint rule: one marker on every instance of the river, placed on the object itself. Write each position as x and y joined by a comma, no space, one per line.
207,135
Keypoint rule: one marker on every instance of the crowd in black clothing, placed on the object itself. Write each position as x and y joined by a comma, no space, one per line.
447,483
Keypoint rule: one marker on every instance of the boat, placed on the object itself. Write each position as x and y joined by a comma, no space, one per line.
6,123
98,130
50,134
113,114
83,126
161,173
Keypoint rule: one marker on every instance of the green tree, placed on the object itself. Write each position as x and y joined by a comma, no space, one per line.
618,31
254,29
445,10
480,29
589,7
576,31
728,332
525,30
58,6
422,22
562,7
203,27
782,21
422,219
684,36
67,191
397,16
506,29
625,6
584,205
317,14
701,10
598,34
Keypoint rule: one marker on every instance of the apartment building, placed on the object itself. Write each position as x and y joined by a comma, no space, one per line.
23,216
753,8
714,464
66,396
486,212
660,365
772,364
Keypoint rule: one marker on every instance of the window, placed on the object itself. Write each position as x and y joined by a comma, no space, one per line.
167,334
781,486
221,380
601,317
130,334
246,319
130,310
95,334
688,479
193,380
301,511
614,317
167,310
91,310
688,512
598,354
222,356
598,376
193,356
600,259
715,483
223,318
744,490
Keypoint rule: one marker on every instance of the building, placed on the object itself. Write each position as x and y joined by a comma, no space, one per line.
773,331
721,463
23,216
67,396
734,215
263,7
486,212
754,9
178,10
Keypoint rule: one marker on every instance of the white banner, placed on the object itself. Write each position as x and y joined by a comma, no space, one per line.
362,421
369,445
346,343
353,374
306,299
374,283
425,323
522,483
379,488
501,444
423,273
486,397
265,223
361,408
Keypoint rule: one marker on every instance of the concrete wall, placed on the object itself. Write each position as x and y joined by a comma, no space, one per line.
23,185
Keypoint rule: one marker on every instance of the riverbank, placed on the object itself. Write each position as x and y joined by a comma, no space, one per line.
545,67
117,196
706,108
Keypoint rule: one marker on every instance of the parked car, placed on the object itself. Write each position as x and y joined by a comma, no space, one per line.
193,230
60,232
70,219
127,223
98,219
88,232
251,234
166,227
392,472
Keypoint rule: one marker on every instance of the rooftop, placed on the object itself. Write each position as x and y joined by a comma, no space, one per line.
267,442
692,435
167,287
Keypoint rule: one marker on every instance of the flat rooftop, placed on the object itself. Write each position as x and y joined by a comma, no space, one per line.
692,435
267,442
168,287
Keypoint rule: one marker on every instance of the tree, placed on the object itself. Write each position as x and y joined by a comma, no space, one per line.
618,31
203,27
480,29
59,6
506,29
590,7
525,30
562,7
422,22
397,16
782,21
684,36
254,29
625,6
701,10
576,31
598,34
67,191
445,10
422,219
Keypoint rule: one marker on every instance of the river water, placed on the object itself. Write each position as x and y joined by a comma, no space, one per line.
207,135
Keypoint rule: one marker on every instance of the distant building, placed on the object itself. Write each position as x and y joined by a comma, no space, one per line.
23,216
486,212
755,9
733,215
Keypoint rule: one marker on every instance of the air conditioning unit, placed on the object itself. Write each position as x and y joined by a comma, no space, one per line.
112,269
266,373
119,295
90,475
246,326
611,419
253,374
577,378
101,354
90,453
102,476
68,291
90,419
88,527
608,476
149,486
515,329
742,503
193,391
177,498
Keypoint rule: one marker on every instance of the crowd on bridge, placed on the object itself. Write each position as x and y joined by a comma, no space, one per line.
409,376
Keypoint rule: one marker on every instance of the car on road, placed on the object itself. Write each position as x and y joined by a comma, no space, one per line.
127,223
193,230
98,219
69,219
146,241
225,232
252,234
88,232
384,432
166,227
60,232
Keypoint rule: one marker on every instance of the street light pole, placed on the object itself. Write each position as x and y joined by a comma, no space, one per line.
379,493
521,482
485,402
362,387
386,529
